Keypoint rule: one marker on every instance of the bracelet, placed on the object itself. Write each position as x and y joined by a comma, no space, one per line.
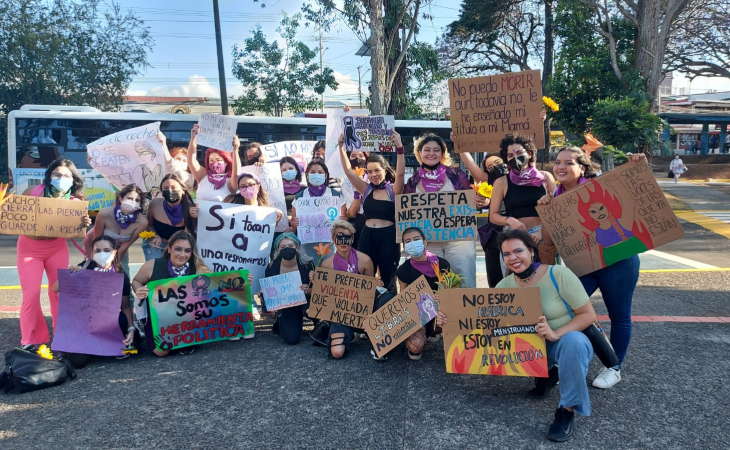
130,329
400,150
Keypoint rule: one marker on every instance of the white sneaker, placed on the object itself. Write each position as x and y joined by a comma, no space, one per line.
249,336
434,338
607,378
375,357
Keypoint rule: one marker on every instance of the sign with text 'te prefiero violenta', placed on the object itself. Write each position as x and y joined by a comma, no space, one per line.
341,297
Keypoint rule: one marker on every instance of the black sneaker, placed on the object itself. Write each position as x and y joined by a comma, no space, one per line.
563,426
543,386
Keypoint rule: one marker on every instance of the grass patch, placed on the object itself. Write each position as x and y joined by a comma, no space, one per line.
675,203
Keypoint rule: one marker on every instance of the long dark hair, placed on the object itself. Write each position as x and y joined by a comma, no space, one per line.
521,139
319,162
131,188
237,199
77,189
389,172
195,259
187,202
522,236
293,162
589,167
320,144
117,265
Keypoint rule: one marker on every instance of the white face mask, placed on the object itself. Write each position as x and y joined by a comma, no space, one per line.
129,206
103,259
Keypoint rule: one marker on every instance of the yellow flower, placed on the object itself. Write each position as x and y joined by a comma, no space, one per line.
147,234
359,171
130,351
450,280
45,352
550,103
483,189
3,191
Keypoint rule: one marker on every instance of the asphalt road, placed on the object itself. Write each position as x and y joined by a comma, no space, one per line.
262,393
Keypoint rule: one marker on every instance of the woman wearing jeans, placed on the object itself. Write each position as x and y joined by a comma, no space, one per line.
567,346
617,281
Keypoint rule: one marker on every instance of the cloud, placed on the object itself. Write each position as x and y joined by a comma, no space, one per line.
197,86
347,87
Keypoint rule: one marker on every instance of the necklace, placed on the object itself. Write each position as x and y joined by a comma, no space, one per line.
528,278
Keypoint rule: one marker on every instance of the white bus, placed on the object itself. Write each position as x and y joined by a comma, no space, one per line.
38,134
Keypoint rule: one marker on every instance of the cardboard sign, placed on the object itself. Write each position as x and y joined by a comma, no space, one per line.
610,218
301,151
88,313
316,215
369,134
492,332
98,191
283,291
342,297
198,309
133,156
335,127
442,216
216,131
43,217
485,109
398,319
270,176
236,237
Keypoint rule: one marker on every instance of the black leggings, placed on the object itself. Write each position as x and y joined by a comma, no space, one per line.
379,244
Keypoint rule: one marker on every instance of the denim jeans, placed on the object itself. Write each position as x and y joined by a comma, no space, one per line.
349,332
572,353
617,283
291,323
152,252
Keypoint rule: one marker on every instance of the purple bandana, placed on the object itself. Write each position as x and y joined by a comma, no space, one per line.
110,270
124,220
432,180
529,177
178,271
561,188
173,213
292,187
426,267
316,191
339,263
217,179
382,185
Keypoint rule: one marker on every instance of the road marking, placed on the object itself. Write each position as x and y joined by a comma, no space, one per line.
714,225
723,216
678,259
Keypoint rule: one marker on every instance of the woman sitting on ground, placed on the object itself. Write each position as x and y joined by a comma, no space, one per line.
567,346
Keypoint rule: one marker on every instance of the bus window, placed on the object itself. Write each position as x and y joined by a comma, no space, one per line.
37,156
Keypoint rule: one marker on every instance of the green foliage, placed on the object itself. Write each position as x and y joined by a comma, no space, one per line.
279,79
64,53
626,123
426,93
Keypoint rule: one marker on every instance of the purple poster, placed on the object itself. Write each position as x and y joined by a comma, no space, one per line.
88,313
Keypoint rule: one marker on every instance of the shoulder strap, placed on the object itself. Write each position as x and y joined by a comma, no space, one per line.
38,190
391,194
555,283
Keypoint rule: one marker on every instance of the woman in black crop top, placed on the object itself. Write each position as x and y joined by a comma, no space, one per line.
377,239
175,212
520,190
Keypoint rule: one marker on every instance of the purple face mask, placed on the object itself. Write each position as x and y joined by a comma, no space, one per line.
250,192
217,167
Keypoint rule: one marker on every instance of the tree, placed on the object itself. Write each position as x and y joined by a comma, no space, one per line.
279,79
426,93
65,53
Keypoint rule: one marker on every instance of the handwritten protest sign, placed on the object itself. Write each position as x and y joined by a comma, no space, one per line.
371,134
342,297
235,237
216,131
402,316
336,126
271,182
301,151
484,109
316,215
283,291
198,309
610,218
443,216
43,217
133,156
492,332
88,313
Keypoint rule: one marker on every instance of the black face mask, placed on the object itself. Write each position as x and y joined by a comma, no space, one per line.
357,162
519,163
497,172
525,274
427,167
343,239
288,253
171,196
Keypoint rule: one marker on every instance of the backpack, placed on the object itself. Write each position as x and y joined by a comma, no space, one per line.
27,372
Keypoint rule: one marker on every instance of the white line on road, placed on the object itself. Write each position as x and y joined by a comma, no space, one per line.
678,259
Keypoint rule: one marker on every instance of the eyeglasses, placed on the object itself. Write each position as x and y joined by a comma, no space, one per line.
58,176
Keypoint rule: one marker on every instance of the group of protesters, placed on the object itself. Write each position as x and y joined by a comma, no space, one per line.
518,250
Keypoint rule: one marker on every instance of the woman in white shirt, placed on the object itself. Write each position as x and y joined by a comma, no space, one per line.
219,177
677,167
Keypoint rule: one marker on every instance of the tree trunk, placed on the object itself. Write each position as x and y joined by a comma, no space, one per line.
547,67
398,100
379,93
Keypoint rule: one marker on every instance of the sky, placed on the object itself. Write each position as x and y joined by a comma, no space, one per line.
184,55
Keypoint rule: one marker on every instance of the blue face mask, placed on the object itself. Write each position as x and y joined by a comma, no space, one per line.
289,175
62,184
415,248
316,179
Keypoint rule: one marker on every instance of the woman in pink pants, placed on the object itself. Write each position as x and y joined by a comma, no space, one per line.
36,254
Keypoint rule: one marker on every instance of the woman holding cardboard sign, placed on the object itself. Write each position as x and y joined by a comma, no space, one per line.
566,311
36,254
218,178
617,280
436,175
289,257
421,262
378,239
